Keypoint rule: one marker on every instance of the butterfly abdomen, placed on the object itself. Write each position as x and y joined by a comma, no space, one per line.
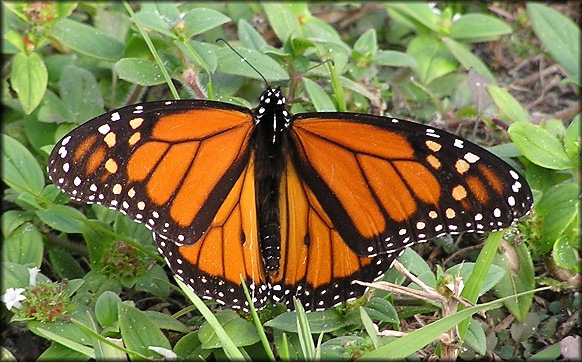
269,141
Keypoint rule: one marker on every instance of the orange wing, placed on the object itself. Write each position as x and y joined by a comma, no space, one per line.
317,266
386,183
212,267
157,162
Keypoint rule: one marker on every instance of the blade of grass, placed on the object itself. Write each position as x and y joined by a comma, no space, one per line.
231,351
475,283
304,332
412,342
257,321
153,50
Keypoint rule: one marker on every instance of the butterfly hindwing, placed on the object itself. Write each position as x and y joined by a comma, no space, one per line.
157,162
317,266
388,183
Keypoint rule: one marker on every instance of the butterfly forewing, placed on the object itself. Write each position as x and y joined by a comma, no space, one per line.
387,183
157,162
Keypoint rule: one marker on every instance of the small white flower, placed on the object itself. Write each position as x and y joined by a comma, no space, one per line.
32,273
167,353
13,297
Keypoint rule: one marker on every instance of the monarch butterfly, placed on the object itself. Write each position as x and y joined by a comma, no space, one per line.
299,205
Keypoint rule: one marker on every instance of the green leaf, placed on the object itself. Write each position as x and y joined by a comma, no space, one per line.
81,94
282,20
167,322
24,246
394,58
318,96
475,28
559,34
539,146
106,308
249,36
139,71
230,63
572,139
433,58
319,322
419,12
468,59
519,276
559,207
12,219
241,332
475,337
367,43
508,105
87,40
139,332
29,79
63,218
197,21
154,281
64,264
20,169
154,21
565,255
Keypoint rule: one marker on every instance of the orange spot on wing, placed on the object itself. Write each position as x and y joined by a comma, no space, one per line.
95,160
492,178
84,147
478,189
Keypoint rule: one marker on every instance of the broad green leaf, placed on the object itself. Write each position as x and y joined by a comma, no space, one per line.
468,59
559,207
319,322
15,275
249,36
572,139
199,20
106,308
394,58
87,40
231,63
367,43
508,105
475,337
64,264
139,71
167,322
63,218
241,332
154,21
282,20
20,169
81,94
139,332
24,246
565,255
539,146
433,58
519,275
200,53
12,219
475,28
559,34
419,12
318,96
29,79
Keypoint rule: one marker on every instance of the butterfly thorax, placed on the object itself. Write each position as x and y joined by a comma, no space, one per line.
270,141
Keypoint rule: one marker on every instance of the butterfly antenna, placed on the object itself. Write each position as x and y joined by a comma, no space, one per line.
244,60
